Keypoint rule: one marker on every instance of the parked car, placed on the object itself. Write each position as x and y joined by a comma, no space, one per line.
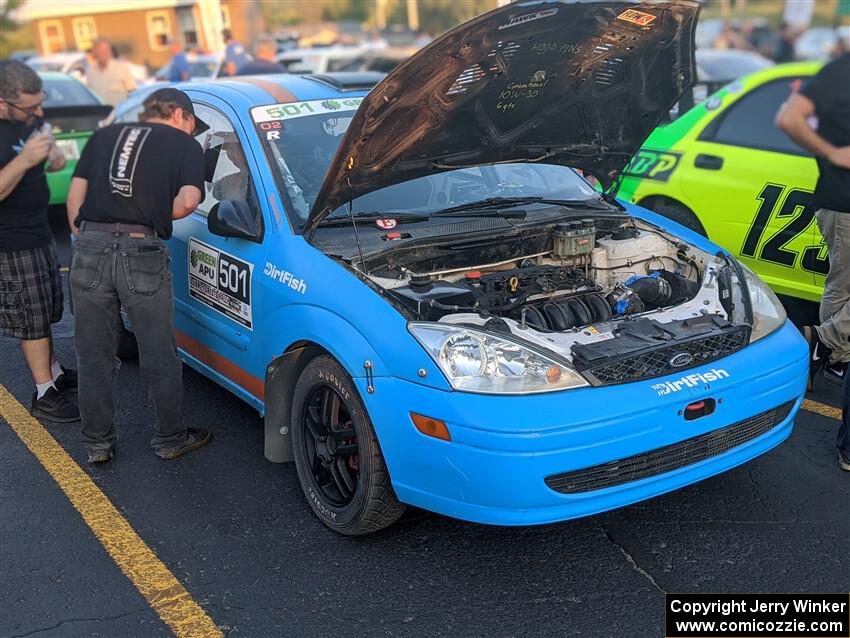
816,43
319,59
74,64
724,170
715,68
73,110
430,306
380,60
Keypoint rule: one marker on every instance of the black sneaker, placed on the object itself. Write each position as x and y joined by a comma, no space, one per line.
835,372
67,380
101,456
844,460
818,353
53,406
195,438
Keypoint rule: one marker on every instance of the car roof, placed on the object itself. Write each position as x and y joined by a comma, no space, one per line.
781,71
254,90
67,56
57,76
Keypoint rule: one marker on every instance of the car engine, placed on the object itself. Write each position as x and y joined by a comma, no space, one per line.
587,292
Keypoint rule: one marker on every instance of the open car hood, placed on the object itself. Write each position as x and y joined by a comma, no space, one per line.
580,84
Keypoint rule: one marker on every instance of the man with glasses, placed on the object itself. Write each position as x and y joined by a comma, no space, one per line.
131,181
30,284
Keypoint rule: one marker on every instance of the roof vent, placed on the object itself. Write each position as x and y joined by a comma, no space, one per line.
348,81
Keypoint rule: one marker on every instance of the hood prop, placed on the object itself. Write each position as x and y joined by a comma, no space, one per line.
351,214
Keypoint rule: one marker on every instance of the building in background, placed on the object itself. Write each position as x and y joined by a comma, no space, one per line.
140,29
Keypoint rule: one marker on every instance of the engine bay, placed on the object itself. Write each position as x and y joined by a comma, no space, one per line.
581,285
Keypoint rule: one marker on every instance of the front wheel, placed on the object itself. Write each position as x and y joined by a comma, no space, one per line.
339,462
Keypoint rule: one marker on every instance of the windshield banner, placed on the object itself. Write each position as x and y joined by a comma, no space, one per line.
274,112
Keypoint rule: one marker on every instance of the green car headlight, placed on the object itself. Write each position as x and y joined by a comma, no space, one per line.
476,361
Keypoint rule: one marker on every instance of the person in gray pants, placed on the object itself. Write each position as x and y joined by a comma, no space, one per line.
131,181
826,97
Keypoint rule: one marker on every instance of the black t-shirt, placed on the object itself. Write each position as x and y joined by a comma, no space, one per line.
260,67
135,171
23,214
830,91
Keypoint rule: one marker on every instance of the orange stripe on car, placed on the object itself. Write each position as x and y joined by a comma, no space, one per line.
244,379
280,94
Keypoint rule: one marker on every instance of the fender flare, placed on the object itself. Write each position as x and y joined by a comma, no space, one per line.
288,358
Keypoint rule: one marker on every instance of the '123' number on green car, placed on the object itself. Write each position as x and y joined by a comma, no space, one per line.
797,210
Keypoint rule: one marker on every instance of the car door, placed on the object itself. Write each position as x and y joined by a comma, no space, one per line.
214,276
759,183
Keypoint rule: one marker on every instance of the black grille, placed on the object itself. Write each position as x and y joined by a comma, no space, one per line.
657,362
670,457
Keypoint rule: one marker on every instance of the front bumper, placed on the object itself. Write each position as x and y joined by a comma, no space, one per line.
503,448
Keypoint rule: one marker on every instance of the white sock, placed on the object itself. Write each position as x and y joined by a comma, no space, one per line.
55,370
41,388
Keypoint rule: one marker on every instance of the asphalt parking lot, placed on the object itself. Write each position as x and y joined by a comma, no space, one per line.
236,533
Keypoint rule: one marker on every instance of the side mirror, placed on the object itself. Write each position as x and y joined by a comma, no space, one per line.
231,218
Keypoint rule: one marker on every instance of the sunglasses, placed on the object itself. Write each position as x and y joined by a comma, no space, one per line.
30,110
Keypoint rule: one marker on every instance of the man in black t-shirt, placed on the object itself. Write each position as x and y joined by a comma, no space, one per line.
30,284
827,97
131,181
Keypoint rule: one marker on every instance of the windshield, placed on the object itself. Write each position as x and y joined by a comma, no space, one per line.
67,93
301,139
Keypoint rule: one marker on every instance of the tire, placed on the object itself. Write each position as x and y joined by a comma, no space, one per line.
344,478
676,211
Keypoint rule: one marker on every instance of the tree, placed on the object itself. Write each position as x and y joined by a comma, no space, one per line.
7,24
13,36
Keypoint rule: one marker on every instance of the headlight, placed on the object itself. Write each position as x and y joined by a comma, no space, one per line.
476,361
768,313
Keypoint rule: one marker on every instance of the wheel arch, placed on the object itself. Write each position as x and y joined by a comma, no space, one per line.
662,204
320,332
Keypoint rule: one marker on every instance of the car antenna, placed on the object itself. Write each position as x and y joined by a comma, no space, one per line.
354,223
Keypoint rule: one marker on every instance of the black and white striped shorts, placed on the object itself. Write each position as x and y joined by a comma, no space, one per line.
30,292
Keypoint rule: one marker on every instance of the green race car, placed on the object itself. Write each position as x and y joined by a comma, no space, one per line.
724,170
74,111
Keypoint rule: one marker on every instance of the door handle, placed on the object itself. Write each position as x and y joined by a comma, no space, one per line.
708,162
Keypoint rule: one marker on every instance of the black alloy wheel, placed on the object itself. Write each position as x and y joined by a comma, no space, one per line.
337,455
332,445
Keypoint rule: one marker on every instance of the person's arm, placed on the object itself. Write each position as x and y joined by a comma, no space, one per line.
187,200
34,152
793,118
76,196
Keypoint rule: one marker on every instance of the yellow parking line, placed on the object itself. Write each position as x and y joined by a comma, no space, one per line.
155,582
820,408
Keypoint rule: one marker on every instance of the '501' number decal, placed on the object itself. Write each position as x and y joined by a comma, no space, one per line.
796,209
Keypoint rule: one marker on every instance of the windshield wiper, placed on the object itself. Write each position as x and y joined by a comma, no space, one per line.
372,216
500,204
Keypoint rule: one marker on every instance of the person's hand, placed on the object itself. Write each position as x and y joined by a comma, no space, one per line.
55,159
840,156
36,149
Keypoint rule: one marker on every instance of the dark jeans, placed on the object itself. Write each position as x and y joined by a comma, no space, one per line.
109,272
843,441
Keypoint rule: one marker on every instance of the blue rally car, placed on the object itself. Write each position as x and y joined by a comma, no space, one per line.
431,305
